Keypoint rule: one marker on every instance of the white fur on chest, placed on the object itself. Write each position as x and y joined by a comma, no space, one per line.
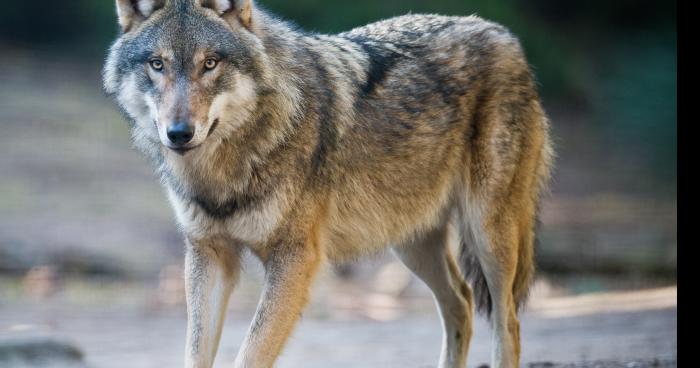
250,227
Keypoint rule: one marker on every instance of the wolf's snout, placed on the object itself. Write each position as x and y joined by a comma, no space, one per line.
180,133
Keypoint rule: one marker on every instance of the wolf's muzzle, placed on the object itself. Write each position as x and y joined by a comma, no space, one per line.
180,133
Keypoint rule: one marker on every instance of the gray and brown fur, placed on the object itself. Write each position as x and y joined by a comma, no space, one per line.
310,147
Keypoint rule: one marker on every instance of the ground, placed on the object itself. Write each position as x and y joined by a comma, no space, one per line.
347,327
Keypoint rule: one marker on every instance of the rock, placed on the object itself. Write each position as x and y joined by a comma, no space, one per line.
39,352
541,365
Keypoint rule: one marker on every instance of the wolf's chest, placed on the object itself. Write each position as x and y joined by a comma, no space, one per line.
250,225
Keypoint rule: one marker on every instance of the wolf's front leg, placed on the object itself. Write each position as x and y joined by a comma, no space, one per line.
211,271
289,275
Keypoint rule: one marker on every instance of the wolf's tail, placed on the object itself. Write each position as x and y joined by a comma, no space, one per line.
527,243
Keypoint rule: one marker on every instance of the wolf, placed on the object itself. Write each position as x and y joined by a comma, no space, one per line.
302,148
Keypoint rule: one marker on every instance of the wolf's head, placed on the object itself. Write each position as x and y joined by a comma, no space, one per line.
184,70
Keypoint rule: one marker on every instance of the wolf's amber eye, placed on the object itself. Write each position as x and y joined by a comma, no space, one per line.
210,64
156,64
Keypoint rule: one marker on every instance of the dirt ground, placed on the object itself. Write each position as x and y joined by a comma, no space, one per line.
347,327
637,339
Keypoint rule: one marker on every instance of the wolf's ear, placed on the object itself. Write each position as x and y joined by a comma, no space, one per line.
232,10
132,12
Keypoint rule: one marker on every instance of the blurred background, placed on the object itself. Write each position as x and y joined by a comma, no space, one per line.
90,257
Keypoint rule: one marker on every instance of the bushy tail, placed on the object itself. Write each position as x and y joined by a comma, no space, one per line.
525,271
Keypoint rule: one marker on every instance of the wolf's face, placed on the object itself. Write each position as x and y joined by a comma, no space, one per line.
183,70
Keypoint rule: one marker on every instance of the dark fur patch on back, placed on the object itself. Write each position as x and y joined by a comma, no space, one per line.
327,130
381,61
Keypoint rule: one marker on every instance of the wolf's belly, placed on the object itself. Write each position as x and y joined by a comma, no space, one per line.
364,224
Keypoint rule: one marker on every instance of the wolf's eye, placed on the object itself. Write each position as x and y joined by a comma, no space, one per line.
210,64
156,64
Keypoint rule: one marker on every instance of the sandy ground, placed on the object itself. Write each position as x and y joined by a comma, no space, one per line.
626,329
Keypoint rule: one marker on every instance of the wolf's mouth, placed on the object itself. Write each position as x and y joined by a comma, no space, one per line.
181,150
213,126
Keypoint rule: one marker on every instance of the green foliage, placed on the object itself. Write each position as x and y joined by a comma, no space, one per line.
634,99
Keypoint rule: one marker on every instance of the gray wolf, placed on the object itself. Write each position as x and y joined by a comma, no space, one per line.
303,148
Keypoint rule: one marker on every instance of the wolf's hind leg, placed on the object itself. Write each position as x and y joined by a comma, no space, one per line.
429,258
497,252
211,270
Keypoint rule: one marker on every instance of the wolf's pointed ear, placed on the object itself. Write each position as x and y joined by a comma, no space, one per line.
132,12
232,10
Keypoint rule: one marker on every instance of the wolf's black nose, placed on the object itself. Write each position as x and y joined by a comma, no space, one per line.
180,133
